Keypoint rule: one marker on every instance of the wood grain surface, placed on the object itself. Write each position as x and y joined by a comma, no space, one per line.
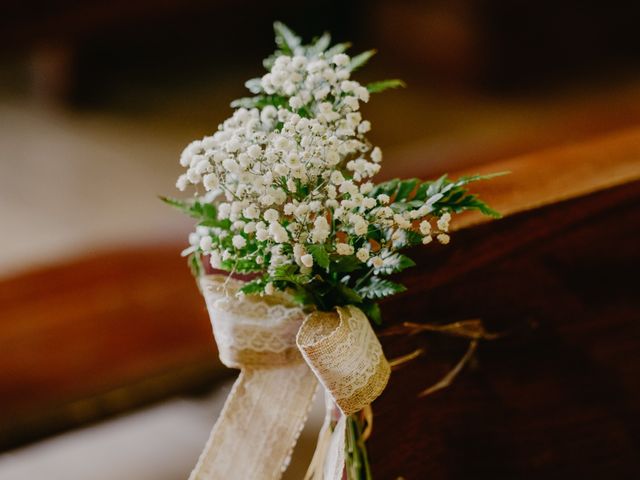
558,397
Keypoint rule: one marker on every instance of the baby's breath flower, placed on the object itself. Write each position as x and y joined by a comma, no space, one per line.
363,254
307,260
344,249
377,262
205,243
271,215
443,222
239,241
443,238
214,259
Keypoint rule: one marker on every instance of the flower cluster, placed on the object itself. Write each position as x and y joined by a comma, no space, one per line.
283,187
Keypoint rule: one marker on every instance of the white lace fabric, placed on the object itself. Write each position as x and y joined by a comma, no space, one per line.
269,403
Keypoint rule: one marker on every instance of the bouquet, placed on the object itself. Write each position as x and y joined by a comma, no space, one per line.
293,250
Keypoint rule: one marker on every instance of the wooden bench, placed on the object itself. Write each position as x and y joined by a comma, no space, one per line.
558,397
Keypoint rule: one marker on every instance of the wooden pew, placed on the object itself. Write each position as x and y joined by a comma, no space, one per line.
559,396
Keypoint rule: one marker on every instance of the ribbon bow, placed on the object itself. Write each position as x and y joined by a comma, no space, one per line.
283,353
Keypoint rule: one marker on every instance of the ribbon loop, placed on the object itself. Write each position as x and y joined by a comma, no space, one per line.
345,354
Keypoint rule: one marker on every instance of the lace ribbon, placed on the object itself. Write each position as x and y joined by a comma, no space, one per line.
282,353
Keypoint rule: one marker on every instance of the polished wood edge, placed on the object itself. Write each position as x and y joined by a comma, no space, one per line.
555,175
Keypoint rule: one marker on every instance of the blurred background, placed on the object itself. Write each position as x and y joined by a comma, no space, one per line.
98,314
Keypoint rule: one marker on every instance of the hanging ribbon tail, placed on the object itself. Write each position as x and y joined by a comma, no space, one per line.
334,464
269,403
316,466
259,424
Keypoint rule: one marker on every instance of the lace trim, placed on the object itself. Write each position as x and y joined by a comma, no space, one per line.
248,323
346,356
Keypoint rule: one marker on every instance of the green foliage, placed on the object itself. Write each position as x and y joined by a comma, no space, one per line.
345,264
395,263
361,59
254,287
381,86
195,264
372,311
286,40
349,295
289,43
377,288
260,101
319,44
337,48
442,195
320,255
202,211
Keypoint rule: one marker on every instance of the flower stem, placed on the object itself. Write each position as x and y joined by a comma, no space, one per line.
356,458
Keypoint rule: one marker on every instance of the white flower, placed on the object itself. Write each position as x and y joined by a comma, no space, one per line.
210,181
401,221
425,227
337,178
443,222
269,289
205,243
298,62
351,102
426,240
231,165
289,208
296,102
193,176
369,202
214,259
376,155
360,225
251,211
364,127
262,235
307,260
344,249
383,198
239,241
321,230
254,151
362,93
377,262
443,238
271,215
224,210
340,59
267,200
278,233
182,182
363,254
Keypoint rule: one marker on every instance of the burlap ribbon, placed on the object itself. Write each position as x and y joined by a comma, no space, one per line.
282,354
